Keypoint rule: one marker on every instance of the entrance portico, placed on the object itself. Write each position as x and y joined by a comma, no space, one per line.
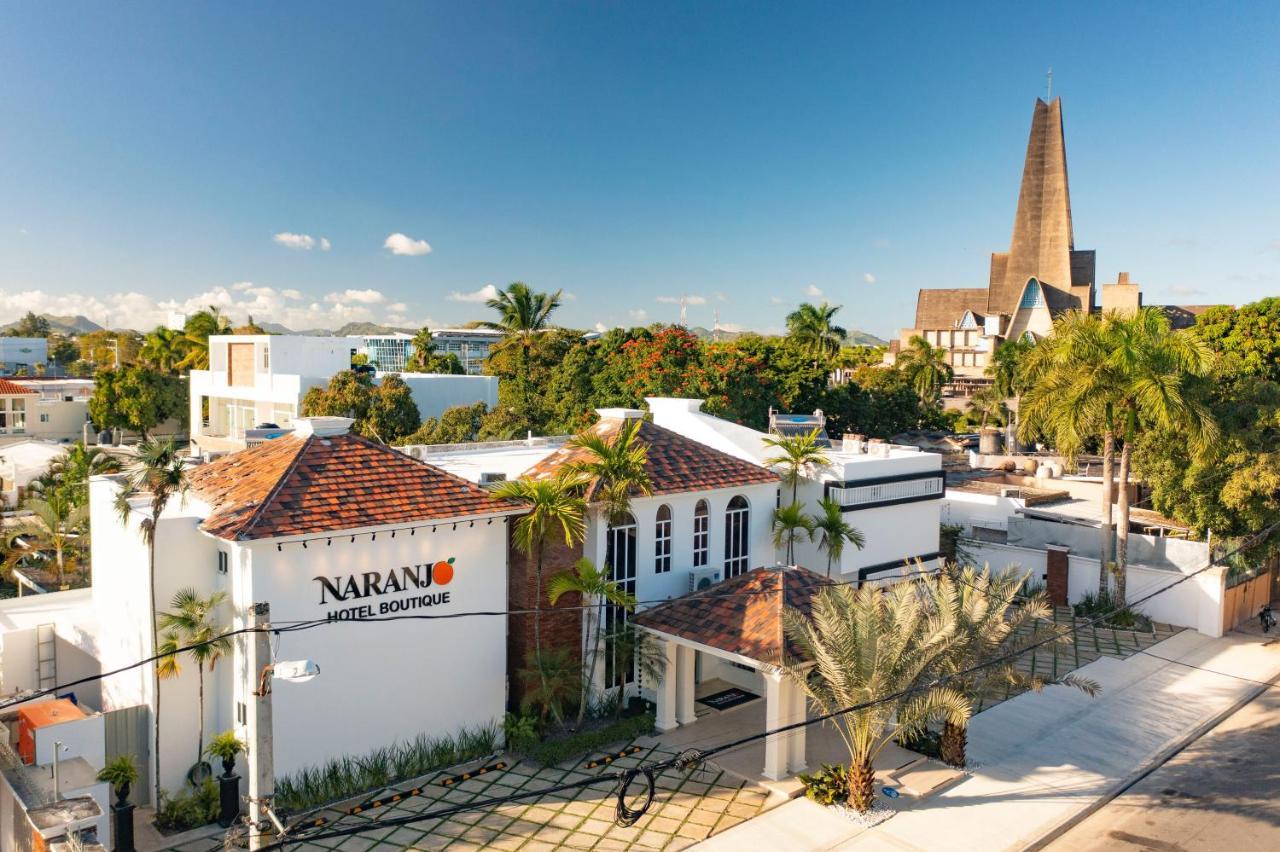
735,627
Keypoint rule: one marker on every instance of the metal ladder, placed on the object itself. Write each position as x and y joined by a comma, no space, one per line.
46,657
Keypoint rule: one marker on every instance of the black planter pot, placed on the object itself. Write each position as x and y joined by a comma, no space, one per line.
122,827
228,766
122,794
228,799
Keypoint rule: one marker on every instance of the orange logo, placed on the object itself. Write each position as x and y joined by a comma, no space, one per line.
442,572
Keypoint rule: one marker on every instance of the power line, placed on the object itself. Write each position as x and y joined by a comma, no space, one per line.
694,757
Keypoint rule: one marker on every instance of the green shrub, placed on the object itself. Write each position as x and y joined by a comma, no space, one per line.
347,777
520,732
829,786
119,771
1094,605
225,746
551,752
189,810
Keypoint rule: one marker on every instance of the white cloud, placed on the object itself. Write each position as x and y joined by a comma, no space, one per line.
601,327
774,300
291,294
400,244
364,297
720,297
484,294
813,291
566,296
868,277
397,307
688,300
24,232
1182,290
300,242
241,286
638,315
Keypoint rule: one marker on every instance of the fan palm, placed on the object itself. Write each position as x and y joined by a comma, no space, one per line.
925,367
58,522
791,524
833,532
616,467
555,510
811,327
871,645
799,456
597,591
159,474
192,625
989,624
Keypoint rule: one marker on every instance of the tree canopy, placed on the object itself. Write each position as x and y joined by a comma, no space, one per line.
385,412
136,398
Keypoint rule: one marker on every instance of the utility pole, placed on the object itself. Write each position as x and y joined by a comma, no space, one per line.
261,764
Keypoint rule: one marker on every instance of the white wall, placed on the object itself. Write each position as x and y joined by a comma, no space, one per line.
84,738
388,681
433,394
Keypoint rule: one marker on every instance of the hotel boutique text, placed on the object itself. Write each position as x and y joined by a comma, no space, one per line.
377,584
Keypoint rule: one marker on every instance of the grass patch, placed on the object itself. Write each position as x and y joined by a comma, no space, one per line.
347,777
550,751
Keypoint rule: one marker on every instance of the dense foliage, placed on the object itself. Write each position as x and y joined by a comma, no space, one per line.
136,398
384,411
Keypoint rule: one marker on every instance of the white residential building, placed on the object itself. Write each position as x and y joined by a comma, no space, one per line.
891,494
261,379
471,345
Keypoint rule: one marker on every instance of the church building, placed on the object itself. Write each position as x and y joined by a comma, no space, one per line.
1040,277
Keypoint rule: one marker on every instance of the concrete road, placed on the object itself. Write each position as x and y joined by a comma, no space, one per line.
1221,792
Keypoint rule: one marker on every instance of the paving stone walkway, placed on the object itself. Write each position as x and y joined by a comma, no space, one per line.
1089,642
686,809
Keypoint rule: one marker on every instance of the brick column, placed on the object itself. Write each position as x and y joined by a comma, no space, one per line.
1056,581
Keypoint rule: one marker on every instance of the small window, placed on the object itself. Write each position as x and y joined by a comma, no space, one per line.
266,358
662,541
44,418
222,562
701,536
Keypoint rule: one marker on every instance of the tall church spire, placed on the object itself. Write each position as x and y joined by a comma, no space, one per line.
1042,237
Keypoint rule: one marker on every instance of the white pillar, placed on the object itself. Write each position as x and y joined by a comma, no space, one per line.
260,755
685,657
775,711
796,749
666,720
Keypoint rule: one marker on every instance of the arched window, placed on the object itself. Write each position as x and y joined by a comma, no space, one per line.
662,541
701,533
620,562
1032,295
737,551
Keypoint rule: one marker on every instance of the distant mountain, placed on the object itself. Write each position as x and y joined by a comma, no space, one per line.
863,338
68,325
274,328
352,328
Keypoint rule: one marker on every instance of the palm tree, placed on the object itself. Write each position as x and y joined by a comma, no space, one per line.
790,524
555,508
636,650
811,327
1159,369
799,456
834,532
71,472
925,367
158,473
989,404
192,625
1070,396
1005,369
597,591
990,623
196,332
58,522
616,468
164,348
873,645
522,314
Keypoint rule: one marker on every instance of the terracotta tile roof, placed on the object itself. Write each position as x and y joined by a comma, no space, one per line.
8,388
943,308
676,464
742,615
304,486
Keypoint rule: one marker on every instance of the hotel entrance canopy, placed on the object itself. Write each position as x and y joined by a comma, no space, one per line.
740,621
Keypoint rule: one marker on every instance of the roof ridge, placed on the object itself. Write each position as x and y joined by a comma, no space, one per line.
460,480
256,515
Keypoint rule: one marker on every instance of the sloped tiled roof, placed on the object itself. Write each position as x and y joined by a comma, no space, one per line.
675,463
742,615
8,388
944,307
318,484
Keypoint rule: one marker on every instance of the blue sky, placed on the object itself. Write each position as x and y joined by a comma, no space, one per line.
744,154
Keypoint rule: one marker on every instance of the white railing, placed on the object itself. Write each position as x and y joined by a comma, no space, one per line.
860,495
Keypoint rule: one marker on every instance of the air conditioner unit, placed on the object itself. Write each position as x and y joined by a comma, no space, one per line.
489,477
703,578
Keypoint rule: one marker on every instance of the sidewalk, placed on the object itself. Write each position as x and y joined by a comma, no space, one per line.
1046,760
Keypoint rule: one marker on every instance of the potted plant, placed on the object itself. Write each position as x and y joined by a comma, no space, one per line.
120,772
225,746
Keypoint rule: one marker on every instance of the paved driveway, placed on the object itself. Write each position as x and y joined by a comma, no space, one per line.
686,809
